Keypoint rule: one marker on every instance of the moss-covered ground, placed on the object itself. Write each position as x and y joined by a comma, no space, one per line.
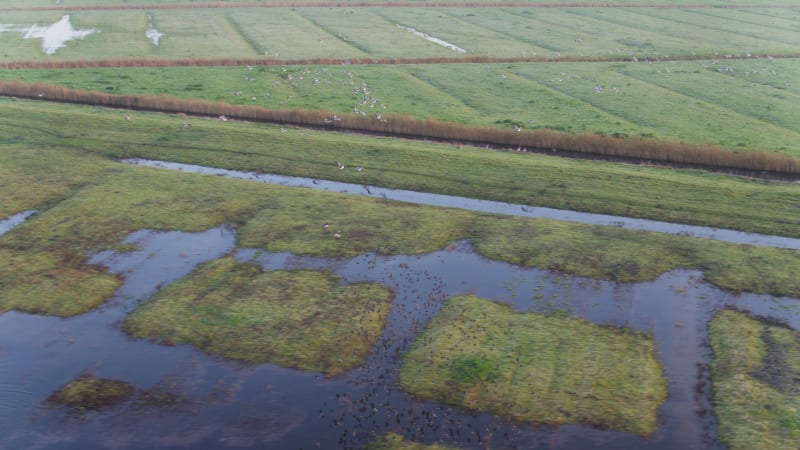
393,441
90,393
535,368
43,262
755,374
300,319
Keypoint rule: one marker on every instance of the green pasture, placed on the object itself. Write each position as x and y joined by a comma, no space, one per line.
754,375
735,104
293,33
43,261
535,368
301,319
636,191
26,3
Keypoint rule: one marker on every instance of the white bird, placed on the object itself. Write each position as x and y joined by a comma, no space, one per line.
128,118
186,124
340,165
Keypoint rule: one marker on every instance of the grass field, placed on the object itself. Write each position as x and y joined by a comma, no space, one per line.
287,33
694,197
754,374
42,262
535,368
754,106
299,319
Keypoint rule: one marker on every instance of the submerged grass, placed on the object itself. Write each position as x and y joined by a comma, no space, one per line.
90,393
755,375
535,368
300,319
691,196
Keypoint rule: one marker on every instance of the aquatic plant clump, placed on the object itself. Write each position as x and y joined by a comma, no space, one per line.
301,319
543,369
394,441
89,393
755,374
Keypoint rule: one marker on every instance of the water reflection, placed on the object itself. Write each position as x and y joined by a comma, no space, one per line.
230,404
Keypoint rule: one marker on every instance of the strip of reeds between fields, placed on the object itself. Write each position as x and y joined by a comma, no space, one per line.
645,150
474,59
378,4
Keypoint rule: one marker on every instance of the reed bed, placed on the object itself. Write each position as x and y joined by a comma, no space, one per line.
264,61
642,149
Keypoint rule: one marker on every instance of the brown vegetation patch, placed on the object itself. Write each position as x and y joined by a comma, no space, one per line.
89,393
649,150
472,59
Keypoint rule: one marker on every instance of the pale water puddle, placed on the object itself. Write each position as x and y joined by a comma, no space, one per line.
433,39
53,36
152,33
229,404
12,221
486,206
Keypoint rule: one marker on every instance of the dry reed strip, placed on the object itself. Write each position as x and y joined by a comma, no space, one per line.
646,150
474,59
280,4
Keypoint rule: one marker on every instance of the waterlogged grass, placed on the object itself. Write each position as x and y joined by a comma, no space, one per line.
286,33
394,441
37,178
754,373
693,197
299,319
43,262
535,368
630,256
90,393
734,104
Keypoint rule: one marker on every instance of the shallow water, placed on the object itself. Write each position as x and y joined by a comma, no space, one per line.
12,221
55,36
433,39
487,206
152,34
231,404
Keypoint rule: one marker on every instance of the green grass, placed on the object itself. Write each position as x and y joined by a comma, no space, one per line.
694,197
394,441
287,33
90,393
755,106
754,373
300,319
89,204
536,368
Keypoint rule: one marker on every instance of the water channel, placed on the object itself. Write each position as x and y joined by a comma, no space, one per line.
486,206
226,404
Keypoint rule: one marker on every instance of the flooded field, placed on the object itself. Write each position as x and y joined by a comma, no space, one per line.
209,402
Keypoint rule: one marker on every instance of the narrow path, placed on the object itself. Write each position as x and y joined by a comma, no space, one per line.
486,206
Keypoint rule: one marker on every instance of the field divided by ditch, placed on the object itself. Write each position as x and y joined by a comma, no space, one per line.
221,313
